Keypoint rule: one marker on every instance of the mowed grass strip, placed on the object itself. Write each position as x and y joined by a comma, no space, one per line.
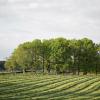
41,89
27,85
75,92
49,87
26,88
60,90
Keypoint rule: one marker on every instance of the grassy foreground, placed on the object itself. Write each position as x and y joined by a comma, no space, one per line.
49,87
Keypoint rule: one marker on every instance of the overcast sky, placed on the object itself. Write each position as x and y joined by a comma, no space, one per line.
24,20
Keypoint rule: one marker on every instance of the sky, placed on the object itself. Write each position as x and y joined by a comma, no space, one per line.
25,20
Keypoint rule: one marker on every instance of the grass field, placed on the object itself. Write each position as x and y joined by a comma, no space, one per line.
49,87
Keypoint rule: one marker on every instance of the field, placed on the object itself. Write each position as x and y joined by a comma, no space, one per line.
49,87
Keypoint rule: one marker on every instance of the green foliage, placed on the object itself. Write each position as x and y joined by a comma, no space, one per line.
11,63
57,54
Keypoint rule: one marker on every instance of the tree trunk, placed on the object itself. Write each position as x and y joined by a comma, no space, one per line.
43,64
23,71
78,70
78,64
85,73
48,68
96,70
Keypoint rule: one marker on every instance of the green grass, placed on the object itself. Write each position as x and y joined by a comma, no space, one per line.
49,87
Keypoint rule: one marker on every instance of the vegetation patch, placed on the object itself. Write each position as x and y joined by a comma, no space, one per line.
49,87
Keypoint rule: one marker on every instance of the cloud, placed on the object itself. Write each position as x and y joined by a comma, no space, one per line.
33,5
23,20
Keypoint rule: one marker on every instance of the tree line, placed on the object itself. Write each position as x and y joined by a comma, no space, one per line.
58,55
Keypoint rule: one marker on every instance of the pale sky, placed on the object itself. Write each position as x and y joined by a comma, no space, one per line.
25,20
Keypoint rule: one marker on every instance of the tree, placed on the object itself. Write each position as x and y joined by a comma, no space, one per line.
36,46
60,55
74,54
45,54
11,64
59,52
88,53
23,57
97,58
